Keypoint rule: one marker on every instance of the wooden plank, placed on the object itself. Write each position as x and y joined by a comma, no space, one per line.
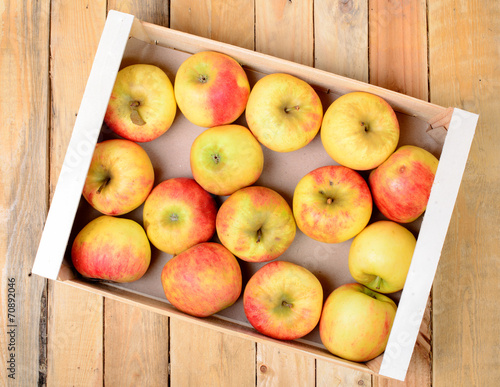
151,11
398,61
341,47
341,38
136,345
202,356
134,336
75,322
464,66
328,375
277,367
24,108
199,355
225,21
285,29
398,46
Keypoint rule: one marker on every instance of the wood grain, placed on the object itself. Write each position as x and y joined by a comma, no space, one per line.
136,346
202,356
136,340
75,322
341,37
225,21
284,28
24,108
464,57
277,367
398,46
328,375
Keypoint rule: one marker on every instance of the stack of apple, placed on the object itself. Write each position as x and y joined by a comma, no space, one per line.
331,204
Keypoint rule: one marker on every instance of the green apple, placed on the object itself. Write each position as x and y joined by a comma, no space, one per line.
283,300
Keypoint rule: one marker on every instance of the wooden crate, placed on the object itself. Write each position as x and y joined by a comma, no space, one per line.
448,132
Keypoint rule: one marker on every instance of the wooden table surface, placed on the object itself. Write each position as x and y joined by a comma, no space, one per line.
443,51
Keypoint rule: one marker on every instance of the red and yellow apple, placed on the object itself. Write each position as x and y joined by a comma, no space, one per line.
401,186
332,204
120,177
202,280
256,224
211,89
356,321
179,214
142,105
283,112
226,158
283,300
380,256
360,130
113,249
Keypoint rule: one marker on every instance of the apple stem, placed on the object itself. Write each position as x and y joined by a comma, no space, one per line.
377,282
104,184
289,109
135,117
259,235
329,201
284,303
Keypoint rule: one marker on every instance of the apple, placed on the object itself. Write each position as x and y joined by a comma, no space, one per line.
380,256
332,204
355,322
211,89
178,214
360,130
202,280
283,112
119,178
226,158
401,186
142,105
113,249
256,224
283,300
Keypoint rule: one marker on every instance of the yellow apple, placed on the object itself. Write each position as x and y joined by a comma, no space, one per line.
283,112
120,177
380,256
256,224
226,158
332,204
356,322
142,105
211,89
360,130
113,249
401,186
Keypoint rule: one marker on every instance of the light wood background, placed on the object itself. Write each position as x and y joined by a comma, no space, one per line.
444,51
